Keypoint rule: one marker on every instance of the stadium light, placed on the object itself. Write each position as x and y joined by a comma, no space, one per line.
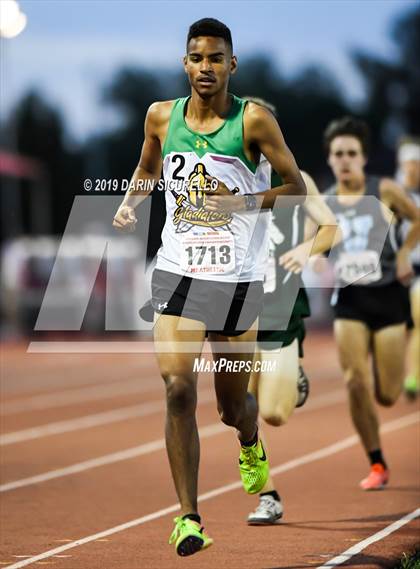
12,20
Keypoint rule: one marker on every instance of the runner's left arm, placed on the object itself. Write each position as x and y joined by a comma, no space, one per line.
262,132
265,133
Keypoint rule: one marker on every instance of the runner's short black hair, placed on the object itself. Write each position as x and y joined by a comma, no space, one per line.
210,27
348,126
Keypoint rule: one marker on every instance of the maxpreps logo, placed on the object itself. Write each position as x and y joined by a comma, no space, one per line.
191,208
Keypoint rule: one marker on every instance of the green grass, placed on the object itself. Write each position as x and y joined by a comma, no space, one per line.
410,561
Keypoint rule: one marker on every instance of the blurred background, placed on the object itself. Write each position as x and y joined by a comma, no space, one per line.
78,77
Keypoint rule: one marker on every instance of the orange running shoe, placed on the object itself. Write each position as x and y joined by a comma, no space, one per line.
377,479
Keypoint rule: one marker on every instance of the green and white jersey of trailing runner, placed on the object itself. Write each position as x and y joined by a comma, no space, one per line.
211,245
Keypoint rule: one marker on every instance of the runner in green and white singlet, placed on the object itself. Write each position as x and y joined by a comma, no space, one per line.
277,327
205,281
218,246
281,324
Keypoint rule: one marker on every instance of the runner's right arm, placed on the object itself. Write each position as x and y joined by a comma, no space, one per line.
148,168
325,233
396,199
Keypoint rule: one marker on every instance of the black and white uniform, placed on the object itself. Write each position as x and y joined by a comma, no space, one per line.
367,288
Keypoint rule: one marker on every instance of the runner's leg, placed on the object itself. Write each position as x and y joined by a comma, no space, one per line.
176,368
389,358
236,406
414,347
277,389
353,341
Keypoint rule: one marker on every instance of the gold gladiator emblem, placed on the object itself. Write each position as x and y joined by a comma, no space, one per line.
191,208
197,185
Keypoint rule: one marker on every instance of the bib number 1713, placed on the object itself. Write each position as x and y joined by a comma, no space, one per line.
201,254
211,253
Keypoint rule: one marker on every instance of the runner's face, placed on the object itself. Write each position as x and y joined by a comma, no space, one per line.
346,158
411,174
209,64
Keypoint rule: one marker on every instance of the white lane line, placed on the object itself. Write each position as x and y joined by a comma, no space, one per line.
355,549
346,443
63,376
311,457
94,420
133,347
85,422
122,414
81,395
316,403
98,391
324,400
104,460
84,394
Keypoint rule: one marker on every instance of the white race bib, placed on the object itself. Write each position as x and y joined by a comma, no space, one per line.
359,268
212,253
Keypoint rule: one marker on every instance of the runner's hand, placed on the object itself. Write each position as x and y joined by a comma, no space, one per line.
221,198
296,259
125,219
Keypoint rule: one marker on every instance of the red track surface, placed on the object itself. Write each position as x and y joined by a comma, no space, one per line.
325,512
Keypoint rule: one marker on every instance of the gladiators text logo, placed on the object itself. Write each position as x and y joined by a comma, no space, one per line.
191,208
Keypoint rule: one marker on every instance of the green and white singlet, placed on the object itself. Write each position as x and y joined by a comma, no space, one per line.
278,325
196,242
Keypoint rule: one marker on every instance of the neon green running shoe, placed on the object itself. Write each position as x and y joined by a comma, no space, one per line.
253,466
411,387
189,537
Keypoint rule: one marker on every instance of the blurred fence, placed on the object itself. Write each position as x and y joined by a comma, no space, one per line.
81,273
83,282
